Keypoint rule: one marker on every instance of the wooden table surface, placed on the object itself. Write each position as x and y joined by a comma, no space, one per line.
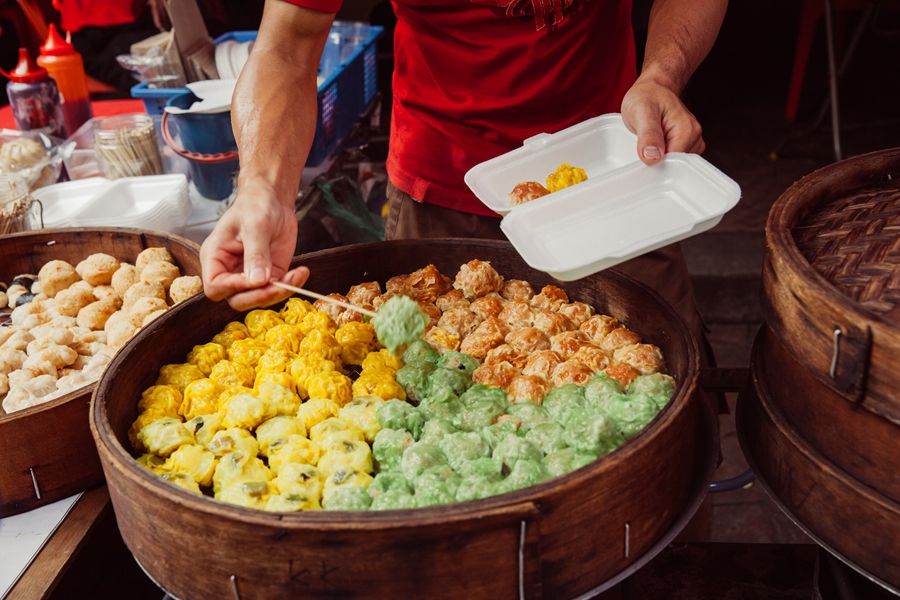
48,567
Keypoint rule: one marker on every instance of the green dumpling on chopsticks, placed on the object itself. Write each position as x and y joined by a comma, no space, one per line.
399,322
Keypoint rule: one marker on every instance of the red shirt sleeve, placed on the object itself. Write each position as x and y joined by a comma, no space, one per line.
328,6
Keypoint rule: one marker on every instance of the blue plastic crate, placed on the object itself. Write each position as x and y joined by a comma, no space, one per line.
343,96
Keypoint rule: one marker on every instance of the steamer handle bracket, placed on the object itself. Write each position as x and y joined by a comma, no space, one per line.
727,380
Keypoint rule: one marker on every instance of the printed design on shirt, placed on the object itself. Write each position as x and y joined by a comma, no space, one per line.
545,12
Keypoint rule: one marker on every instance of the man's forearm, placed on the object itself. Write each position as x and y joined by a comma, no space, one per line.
680,35
274,107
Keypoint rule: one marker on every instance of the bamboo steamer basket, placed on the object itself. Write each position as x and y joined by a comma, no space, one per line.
570,536
853,521
826,368
47,450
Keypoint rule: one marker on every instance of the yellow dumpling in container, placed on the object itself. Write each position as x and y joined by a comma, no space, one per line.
260,321
294,310
564,176
356,340
231,333
378,382
201,397
165,436
316,320
247,410
231,374
237,467
282,379
195,461
293,449
178,376
249,494
278,428
331,385
206,356
206,426
299,477
227,441
183,481
342,479
360,414
292,502
304,367
382,359
275,360
281,400
227,393
346,455
332,431
144,419
316,410
320,344
153,463
247,352
164,399
284,337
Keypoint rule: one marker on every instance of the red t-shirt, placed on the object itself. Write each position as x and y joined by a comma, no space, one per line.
471,83
77,14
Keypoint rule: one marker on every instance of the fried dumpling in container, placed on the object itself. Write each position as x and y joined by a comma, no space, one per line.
164,436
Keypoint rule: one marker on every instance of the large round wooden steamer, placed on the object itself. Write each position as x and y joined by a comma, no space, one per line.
851,520
559,539
827,369
48,448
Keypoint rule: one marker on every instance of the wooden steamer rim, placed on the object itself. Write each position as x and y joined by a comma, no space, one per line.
805,310
64,460
851,520
521,532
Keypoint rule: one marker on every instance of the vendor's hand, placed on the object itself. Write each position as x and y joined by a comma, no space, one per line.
661,121
251,244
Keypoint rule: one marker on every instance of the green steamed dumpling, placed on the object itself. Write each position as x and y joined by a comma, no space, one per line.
435,429
631,413
463,447
513,448
529,415
444,380
593,432
393,500
414,379
420,351
441,405
561,402
419,457
388,448
567,460
349,498
458,361
658,386
397,414
549,437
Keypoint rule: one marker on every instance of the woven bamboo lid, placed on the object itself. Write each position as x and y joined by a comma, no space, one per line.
853,241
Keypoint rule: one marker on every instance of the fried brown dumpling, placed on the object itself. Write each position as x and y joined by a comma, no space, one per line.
497,375
477,278
526,192
550,298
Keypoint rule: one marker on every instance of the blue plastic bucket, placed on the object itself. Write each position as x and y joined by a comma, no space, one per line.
208,143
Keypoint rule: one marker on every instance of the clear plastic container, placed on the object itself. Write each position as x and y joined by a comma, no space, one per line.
127,146
18,210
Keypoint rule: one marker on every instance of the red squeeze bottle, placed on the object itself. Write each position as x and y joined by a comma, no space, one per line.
67,68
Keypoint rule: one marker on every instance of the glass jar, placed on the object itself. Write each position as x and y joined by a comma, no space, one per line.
19,211
127,146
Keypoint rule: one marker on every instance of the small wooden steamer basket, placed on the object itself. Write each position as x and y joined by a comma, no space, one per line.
568,536
826,368
46,451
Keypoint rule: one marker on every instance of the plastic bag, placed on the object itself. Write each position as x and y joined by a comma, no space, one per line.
342,200
35,156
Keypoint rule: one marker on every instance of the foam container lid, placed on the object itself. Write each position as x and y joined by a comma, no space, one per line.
624,209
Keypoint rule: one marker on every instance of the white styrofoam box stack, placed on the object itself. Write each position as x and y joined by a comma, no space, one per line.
623,210
158,202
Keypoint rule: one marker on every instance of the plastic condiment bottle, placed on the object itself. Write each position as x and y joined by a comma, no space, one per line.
34,98
67,68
